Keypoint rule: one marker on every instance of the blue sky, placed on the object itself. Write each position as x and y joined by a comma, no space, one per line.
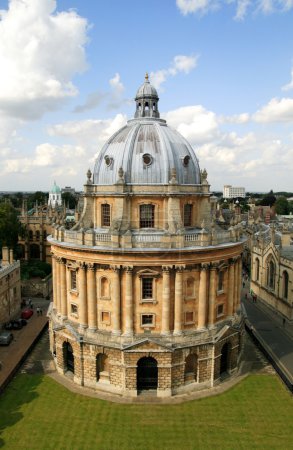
70,70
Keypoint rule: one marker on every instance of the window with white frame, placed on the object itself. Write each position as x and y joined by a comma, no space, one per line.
147,320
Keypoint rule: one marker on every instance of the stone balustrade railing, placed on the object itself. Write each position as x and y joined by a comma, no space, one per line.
147,239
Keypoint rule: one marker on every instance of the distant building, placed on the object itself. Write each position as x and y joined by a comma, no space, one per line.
55,196
10,296
68,190
233,192
272,269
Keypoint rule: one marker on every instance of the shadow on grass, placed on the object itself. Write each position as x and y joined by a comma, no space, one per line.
22,390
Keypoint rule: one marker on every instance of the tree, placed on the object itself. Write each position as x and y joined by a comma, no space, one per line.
282,205
38,196
69,199
268,200
9,225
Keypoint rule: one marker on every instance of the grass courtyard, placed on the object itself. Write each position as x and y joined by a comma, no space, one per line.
38,413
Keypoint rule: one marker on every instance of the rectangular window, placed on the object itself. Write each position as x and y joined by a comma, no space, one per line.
220,310
220,281
105,212
187,215
105,317
73,309
147,216
73,280
147,320
189,317
147,288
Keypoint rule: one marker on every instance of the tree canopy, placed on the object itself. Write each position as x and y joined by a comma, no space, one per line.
9,225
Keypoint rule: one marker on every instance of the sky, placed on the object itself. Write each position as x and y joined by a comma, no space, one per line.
70,69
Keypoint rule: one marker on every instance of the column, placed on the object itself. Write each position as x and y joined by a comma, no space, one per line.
239,283
166,301
91,297
231,290
128,303
82,294
202,304
178,300
236,286
54,275
116,328
58,293
63,289
212,295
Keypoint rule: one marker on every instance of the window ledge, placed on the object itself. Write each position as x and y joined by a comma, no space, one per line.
151,301
221,292
74,292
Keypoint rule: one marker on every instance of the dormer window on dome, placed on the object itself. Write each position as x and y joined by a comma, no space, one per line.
185,160
146,100
108,160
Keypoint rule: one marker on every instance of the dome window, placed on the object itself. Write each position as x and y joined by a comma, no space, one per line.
108,160
147,159
185,160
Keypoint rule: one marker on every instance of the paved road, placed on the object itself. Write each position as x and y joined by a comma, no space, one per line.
277,338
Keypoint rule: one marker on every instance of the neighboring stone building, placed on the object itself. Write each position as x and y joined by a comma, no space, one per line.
272,269
233,192
147,284
10,296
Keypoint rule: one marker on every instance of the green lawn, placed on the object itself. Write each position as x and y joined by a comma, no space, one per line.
37,413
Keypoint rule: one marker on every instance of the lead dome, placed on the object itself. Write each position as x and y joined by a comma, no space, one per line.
147,149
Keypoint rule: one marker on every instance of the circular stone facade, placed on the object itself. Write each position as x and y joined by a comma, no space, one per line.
146,286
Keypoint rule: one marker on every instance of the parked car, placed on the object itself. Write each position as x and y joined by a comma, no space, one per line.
22,321
27,313
5,338
13,325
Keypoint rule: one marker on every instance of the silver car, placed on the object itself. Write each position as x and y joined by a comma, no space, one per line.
5,337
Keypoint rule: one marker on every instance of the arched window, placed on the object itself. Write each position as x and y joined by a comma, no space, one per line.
105,288
285,284
37,235
105,215
257,269
146,106
31,236
68,357
271,272
147,216
190,369
187,215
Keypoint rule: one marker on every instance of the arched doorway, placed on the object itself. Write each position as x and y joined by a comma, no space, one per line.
147,374
190,369
68,357
225,359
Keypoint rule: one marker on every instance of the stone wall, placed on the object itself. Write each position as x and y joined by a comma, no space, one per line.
37,287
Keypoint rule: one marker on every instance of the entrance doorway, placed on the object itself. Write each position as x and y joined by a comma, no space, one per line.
225,359
147,374
68,357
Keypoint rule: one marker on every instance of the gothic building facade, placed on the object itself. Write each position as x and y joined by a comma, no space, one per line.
146,284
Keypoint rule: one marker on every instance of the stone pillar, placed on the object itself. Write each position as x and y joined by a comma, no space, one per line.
236,286
115,295
128,303
202,305
91,297
178,300
212,295
231,288
166,301
82,294
238,300
54,275
63,289
58,293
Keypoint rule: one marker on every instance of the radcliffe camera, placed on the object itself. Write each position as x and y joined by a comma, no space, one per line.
146,224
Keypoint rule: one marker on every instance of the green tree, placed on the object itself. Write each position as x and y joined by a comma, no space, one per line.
268,200
69,199
282,205
38,196
9,225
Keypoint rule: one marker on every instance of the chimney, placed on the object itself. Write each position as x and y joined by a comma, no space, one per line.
11,256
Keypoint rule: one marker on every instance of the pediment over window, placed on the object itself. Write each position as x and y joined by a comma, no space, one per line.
147,345
148,273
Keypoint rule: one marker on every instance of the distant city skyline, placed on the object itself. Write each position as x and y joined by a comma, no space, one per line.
70,70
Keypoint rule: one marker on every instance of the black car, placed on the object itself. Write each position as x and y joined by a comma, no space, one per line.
13,325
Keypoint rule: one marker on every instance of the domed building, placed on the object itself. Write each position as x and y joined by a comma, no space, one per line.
55,198
147,283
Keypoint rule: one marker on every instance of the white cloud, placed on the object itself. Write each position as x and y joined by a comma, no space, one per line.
277,110
195,123
289,86
40,52
180,63
202,7
114,97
